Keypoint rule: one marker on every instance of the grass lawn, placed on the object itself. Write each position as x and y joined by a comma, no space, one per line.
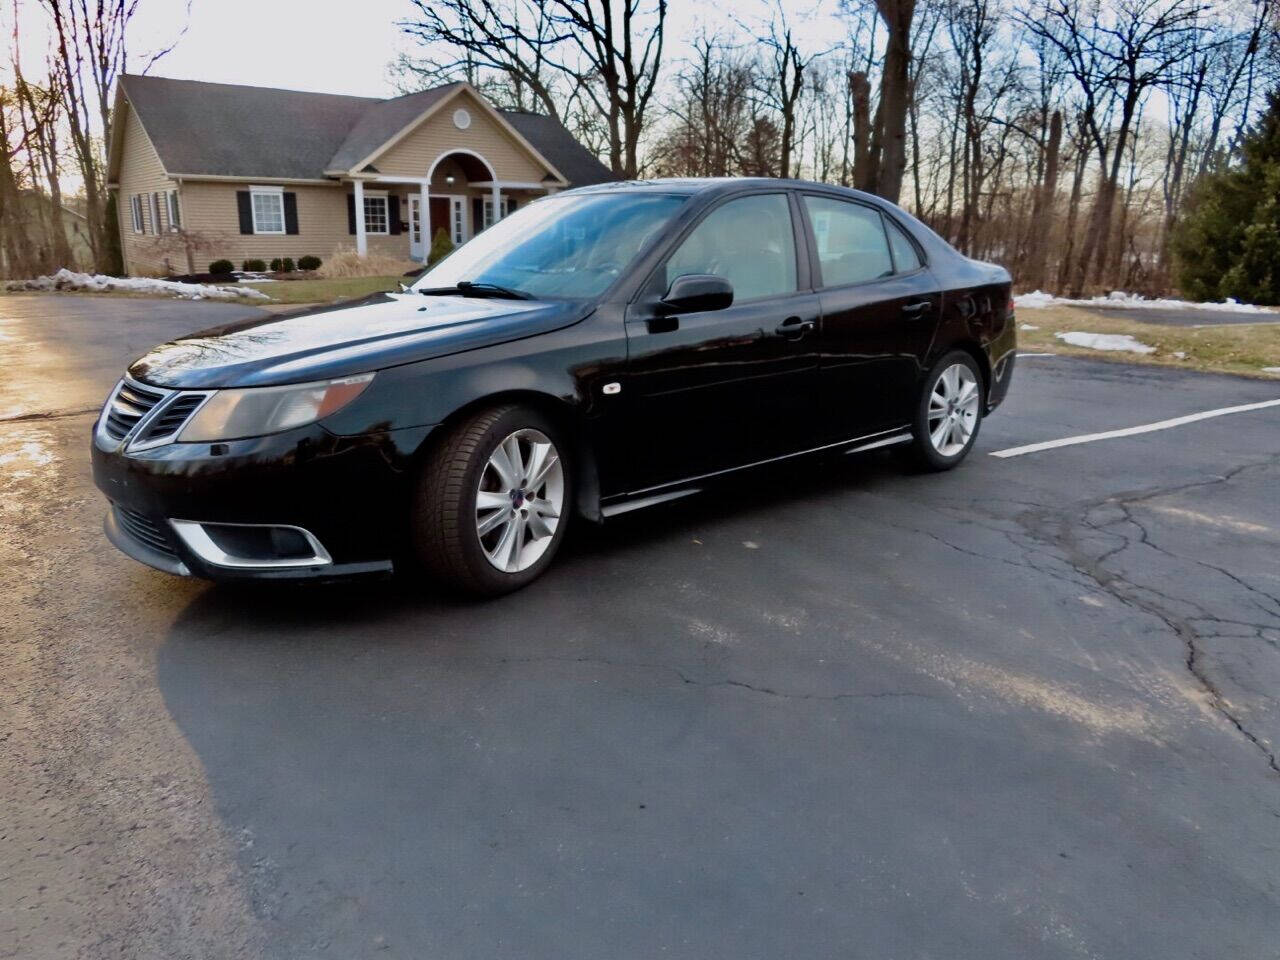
326,291
1242,349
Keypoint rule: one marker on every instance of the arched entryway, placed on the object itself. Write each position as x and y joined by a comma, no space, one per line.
453,182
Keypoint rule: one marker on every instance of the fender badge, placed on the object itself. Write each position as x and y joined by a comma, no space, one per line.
611,389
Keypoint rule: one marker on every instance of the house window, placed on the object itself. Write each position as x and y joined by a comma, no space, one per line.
268,209
155,213
488,211
375,213
135,205
175,215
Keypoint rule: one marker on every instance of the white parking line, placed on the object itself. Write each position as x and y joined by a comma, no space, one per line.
1131,431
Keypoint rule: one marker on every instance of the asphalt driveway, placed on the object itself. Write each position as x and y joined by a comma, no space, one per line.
1025,709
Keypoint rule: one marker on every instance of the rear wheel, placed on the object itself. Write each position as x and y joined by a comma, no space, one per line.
492,502
948,413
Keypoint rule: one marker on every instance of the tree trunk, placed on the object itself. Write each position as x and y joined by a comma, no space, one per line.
1042,210
894,96
863,170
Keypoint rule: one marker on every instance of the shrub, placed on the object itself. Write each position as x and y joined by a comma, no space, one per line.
253,266
308,263
275,265
221,266
348,263
441,246
287,264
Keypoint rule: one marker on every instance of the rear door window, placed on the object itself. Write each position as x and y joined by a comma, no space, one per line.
850,241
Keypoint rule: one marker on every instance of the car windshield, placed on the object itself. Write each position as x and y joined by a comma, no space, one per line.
566,247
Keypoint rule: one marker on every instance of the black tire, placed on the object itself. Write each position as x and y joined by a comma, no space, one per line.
444,533
921,451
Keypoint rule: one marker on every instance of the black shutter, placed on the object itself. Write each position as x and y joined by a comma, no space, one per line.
245,204
290,213
351,213
393,214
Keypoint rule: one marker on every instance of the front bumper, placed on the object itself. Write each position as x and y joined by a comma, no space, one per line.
348,497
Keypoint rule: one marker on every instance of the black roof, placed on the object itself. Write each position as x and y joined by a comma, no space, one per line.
230,130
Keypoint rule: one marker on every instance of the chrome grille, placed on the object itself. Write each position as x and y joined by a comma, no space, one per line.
129,404
145,530
170,418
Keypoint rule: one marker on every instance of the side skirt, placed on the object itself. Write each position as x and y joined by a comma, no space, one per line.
663,492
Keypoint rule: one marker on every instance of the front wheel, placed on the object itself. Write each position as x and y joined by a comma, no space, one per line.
948,412
493,501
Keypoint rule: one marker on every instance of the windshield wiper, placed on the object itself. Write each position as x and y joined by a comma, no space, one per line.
469,288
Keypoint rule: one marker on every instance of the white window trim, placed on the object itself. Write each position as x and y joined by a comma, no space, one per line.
171,208
488,210
135,208
386,208
253,209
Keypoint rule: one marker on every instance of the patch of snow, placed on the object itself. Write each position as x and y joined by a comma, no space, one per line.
1105,341
1180,354
1131,301
1272,370
1028,326
66,279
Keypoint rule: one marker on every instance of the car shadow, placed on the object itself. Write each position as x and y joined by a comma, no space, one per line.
406,774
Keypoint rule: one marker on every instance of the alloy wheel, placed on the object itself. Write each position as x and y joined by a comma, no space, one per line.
953,409
520,500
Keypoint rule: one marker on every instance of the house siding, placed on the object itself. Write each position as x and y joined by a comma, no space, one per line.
413,155
141,172
211,213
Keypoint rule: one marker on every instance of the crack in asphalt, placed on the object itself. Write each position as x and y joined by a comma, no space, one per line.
1056,528
699,682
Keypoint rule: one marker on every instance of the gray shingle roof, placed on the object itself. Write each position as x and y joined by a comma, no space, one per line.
229,130
382,121
578,164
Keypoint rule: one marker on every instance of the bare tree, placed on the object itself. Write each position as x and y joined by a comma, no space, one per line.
1115,52
609,50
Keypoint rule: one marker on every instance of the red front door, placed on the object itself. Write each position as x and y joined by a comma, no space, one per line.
437,217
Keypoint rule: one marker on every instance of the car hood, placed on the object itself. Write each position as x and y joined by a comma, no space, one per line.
384,330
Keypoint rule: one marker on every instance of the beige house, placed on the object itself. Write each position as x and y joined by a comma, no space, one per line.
207,171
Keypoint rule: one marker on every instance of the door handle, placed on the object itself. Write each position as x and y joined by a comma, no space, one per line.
793,328
919,308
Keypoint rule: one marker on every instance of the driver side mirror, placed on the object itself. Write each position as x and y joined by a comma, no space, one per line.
696,292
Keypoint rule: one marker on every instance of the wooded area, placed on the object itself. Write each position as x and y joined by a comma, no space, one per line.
1059,138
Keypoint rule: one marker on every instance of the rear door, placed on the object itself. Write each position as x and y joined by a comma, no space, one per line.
880,309
721,388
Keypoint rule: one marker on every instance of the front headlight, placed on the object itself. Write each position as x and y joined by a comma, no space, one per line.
254,411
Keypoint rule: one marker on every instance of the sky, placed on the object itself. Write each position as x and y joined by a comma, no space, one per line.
324,46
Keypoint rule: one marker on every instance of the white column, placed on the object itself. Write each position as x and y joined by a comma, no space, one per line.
362,245
497,200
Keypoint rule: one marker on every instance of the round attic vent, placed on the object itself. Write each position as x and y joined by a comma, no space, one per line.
461,119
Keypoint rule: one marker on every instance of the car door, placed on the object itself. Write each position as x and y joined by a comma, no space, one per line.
714,389
880,309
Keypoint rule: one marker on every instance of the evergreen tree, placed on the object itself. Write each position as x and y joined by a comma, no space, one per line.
441,246
1227,243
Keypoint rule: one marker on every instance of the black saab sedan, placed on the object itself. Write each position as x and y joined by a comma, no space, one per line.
600,350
